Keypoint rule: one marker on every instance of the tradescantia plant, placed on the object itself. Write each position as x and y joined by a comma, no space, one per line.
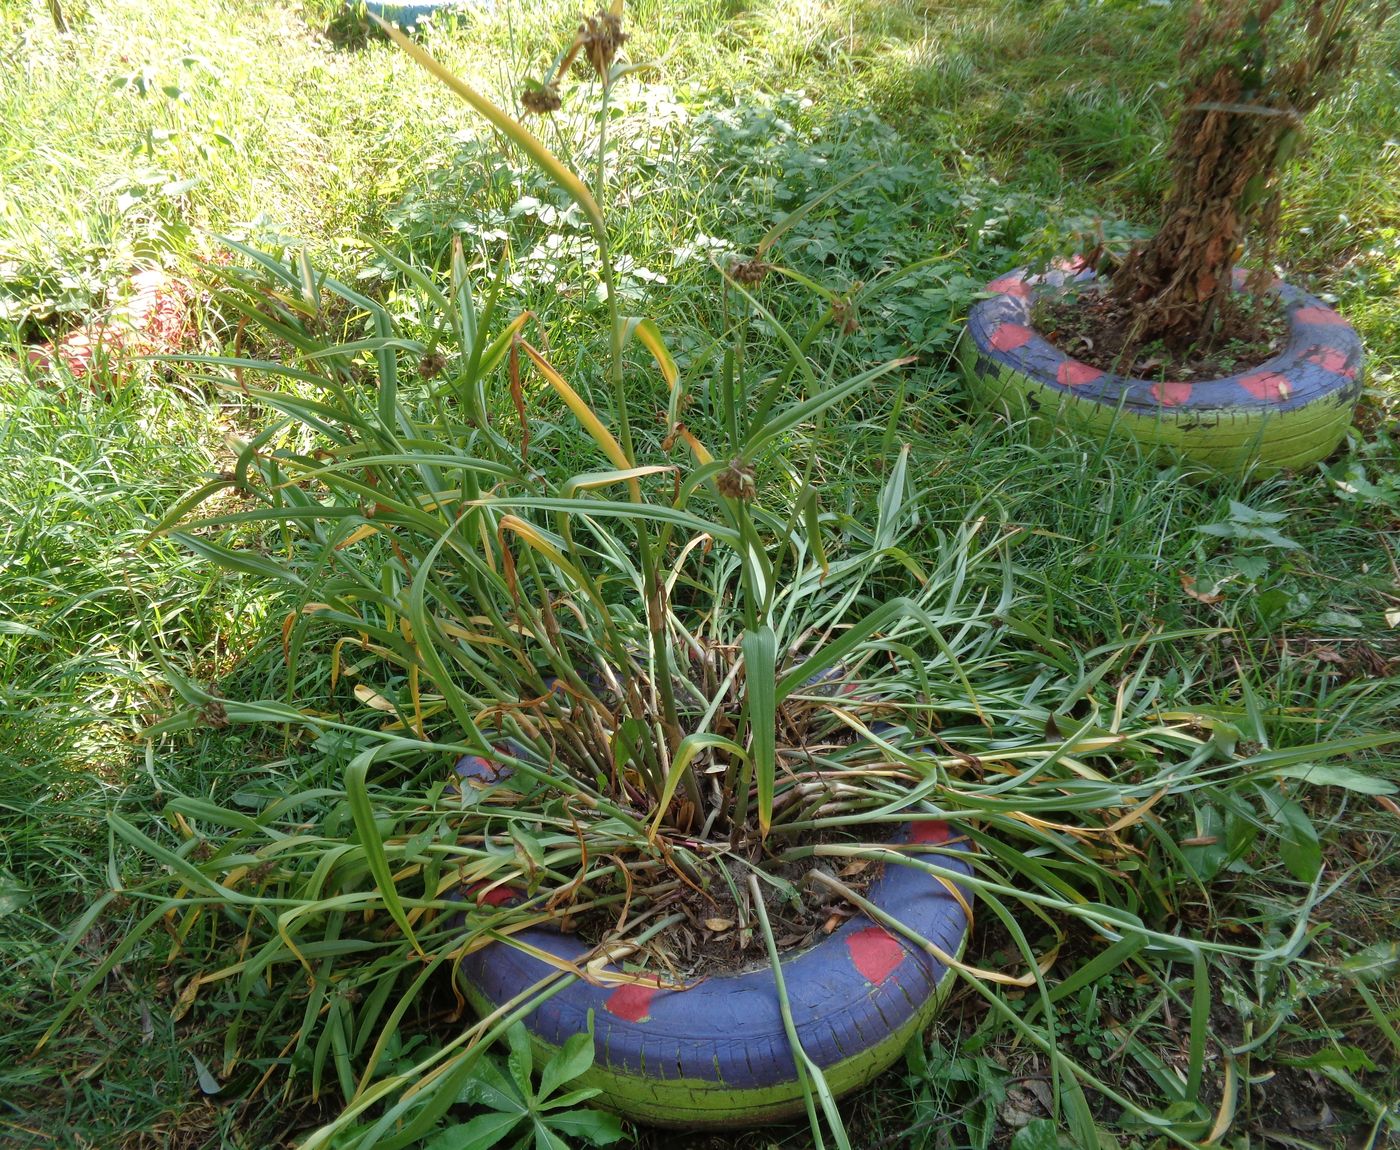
693,654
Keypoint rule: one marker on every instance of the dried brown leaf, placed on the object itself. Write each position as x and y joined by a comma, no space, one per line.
1188,584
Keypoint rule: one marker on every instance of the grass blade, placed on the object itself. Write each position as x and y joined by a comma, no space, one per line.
357,792
507,125
760,647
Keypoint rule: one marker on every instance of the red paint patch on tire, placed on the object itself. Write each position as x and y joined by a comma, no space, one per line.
1171,394
632,1002
1267,385
1010,285
1010,336
929,831
1323,315
154,320
496,896
875,952
1072,373
476,766
1331,359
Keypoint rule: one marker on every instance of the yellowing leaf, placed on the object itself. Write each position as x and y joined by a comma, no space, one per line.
596,479
364,531
373,699
699,450
650,335
473,637
186,1000
516,132
582,412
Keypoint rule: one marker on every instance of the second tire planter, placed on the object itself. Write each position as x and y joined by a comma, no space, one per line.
408,13
716,1054
1288,412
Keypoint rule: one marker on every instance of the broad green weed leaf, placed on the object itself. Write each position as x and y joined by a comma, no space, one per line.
568,1100
1207,853
1326,775
546,1139
489,1086
481,1133
1298,843
1242,513
520,1060
13,893
1376,963
593,1126
1037,1134
567,1063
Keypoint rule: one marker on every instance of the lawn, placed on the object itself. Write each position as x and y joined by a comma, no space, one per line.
166,696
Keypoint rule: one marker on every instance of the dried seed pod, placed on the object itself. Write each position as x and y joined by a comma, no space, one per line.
749,272
843,314
600,36
214,715
432,365
543,100
737,481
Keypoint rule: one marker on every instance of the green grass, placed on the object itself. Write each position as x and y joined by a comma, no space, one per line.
974,133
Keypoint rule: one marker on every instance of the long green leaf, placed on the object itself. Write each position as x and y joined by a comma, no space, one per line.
357,791
808,1072
760,437
689,747
508,126
760,648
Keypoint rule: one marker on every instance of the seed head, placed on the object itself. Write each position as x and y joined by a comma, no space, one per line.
214,715
843,313
600,36
432,365
737,481
542,101
751,272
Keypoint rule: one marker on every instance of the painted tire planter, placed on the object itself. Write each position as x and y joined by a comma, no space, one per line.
407,13
716,1055
1290,411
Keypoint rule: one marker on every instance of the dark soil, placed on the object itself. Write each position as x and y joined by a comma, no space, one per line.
1092,327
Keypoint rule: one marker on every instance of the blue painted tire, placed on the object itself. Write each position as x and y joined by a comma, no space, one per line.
407,13
715,1055
1289,412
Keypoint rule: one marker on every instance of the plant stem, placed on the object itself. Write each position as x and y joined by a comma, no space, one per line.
653,588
